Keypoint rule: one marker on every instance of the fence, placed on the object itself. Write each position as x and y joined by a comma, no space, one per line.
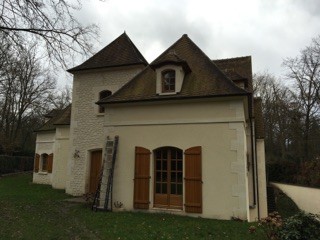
12,164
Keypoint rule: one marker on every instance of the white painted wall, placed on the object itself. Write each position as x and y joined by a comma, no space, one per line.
217,126
60,157
307,199
44,144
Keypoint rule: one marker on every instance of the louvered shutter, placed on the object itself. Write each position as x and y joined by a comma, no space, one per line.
193,180
50,163
141,178
36,163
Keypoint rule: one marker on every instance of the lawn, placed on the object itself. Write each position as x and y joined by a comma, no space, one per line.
31,211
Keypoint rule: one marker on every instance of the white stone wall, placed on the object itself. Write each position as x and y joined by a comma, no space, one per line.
86,130
44,144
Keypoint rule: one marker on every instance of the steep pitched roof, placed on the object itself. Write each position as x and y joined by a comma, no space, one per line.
58,117
204,80
120,52
237,69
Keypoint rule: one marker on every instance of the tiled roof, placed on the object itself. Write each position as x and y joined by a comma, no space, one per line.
65,117
204,80
120,52
239,68
59,117
259,124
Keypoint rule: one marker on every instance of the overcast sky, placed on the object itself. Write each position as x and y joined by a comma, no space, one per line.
268,30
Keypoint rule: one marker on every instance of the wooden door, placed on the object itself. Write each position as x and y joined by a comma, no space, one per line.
168,171
95,166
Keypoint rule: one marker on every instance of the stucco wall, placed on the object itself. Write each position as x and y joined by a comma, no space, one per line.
217,126
60,157
44,144
262,181
307,199
86,132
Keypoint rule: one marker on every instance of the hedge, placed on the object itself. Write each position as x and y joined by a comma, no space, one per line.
12,164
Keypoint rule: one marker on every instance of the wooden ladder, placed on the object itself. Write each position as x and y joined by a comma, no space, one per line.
103,196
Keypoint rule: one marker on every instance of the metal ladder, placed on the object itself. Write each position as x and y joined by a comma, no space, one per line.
103,196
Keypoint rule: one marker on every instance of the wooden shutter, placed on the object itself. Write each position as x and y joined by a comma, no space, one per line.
50,163
36,163
141,178
193,180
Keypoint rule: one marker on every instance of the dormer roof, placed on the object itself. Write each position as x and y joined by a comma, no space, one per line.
120,52
170,58
204,80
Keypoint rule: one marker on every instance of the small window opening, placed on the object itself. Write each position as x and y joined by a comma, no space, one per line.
168,81
44,162
103,94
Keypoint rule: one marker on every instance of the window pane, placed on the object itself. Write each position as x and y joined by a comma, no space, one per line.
164,154
173,154
158,154
179,166
168,80
173,165
158,176
164,188
158,165
173,177
179,189
179,154
44,162
173,188
158,188
164,165
179,177
164,176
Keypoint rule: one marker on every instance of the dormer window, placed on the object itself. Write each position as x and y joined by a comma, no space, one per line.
168,81
103,94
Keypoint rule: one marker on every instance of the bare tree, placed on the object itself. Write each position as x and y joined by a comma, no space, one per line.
277,111
24,87
49,22
305,71
60,98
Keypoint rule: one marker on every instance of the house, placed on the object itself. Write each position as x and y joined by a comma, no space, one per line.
190,132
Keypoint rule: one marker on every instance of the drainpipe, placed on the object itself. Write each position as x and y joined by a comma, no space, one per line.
255,184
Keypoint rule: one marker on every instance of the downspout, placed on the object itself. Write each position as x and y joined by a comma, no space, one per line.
255,184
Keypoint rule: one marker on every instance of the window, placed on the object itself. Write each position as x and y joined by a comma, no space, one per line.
168,81
168,170
44,162
103,94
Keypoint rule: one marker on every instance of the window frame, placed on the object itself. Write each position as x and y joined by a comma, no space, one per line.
168,199
171,86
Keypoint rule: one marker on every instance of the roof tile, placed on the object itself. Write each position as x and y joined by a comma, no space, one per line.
120,52
204,79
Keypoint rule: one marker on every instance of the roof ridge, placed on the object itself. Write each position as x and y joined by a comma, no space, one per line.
233,58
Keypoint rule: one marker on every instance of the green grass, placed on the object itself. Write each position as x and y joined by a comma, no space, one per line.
31,211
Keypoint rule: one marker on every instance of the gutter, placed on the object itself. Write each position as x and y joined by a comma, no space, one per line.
255,184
